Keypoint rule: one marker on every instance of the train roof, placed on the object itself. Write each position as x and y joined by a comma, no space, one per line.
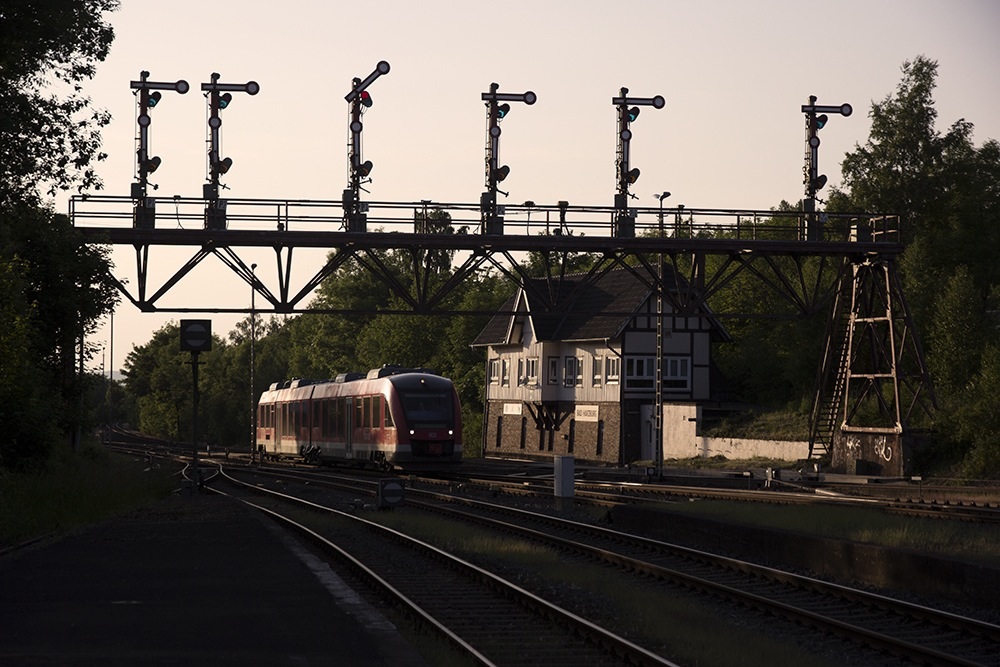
352,383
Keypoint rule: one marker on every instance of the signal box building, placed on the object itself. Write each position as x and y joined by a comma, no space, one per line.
581,381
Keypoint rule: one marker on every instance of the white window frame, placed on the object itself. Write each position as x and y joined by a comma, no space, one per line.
597,371
640,372
553,370
612,369
572,371
504,372
531,371
676,374
494,371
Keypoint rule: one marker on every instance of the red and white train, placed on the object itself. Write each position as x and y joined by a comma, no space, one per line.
391,417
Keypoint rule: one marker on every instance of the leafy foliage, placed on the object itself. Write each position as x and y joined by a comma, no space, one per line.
53,289
44,137
947,190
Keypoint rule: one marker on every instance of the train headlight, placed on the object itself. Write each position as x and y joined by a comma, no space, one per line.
451,432
411,431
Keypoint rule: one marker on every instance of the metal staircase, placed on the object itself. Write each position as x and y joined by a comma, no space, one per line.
831,381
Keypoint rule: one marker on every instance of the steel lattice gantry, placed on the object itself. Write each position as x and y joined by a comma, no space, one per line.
851,265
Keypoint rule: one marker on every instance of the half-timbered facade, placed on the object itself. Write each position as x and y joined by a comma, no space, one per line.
581,381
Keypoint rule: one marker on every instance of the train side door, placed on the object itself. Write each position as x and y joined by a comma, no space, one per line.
349,428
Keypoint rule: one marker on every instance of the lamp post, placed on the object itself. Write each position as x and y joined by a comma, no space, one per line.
253,365
661,197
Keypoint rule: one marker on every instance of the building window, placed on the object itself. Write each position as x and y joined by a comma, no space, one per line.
573,369
676,374
597,371
505,372
524,431
640,372
531,371
612,369
572,435
499,431
495,371
520,373
600,437
553,377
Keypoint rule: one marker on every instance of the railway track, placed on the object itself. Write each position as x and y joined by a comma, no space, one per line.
890,498
911,633
607,492
487,618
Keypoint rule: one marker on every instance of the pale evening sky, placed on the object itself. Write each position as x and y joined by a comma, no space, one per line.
734,74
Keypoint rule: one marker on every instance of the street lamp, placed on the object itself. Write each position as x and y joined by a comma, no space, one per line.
253,341
661,197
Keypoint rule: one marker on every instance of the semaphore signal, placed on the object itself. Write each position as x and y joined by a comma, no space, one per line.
497,108
219,96
148,95
628,112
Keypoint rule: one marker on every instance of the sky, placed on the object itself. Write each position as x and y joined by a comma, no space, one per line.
734,74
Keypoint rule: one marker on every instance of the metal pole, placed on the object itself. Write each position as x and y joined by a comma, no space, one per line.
253,366
194,418
658,383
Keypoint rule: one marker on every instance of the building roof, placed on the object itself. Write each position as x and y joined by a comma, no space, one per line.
599,310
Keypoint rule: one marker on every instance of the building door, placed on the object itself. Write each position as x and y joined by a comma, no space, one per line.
647,429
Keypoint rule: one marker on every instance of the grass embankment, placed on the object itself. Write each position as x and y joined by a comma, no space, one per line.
74,490
951,539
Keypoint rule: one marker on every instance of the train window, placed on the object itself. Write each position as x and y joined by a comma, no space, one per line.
428,409
388,417
359,413
367,415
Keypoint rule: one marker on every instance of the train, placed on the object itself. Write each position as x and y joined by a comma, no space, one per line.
388,418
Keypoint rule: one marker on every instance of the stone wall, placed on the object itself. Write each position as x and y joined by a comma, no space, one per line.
520,437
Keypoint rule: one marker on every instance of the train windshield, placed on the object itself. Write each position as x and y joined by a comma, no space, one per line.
428,409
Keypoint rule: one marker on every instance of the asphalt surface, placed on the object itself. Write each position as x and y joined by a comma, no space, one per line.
195,580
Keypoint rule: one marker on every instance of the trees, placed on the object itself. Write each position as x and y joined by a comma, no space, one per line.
946,190
45,138
53,289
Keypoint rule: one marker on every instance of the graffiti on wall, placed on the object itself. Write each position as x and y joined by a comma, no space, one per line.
883,449
853,445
